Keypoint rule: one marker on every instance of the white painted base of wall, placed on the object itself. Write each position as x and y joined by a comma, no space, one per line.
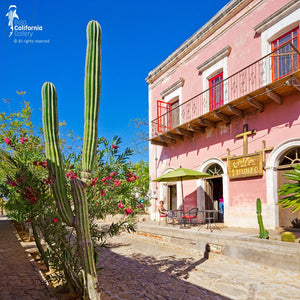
248,218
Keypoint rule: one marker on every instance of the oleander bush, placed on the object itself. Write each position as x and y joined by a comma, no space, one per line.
116,187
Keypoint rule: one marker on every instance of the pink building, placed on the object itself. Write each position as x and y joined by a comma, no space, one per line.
227,102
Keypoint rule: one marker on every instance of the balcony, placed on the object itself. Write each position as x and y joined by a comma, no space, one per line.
266,80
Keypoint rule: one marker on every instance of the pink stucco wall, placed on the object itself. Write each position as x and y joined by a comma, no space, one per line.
275,125
245,44
270,125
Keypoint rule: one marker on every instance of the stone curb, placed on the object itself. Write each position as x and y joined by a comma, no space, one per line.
232,244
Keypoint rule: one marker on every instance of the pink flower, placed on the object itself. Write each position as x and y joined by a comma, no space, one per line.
73,176
47,181
114,146
128,211
22,140
96,203
102,193
103,179
35,163
7,141
117,182
43,164
112,174
33,199
29,221
94,181
54,220
121,205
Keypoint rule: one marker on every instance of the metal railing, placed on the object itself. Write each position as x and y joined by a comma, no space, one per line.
277,64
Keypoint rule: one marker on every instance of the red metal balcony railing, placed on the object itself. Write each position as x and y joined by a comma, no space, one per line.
277,64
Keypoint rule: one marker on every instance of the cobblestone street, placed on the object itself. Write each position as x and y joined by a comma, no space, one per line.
19,276
136,268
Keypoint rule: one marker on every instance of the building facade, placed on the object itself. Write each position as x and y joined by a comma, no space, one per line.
227,103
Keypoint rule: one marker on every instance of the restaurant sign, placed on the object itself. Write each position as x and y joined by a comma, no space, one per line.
248,165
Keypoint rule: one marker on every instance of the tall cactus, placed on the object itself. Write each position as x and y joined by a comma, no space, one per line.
79,218
263,233
92,97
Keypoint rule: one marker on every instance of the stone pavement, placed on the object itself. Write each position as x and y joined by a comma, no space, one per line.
136,268
19,277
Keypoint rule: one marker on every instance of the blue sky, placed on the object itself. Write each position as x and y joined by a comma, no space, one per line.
136,37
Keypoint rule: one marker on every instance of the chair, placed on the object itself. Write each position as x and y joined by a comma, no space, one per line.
191,214
171,215
168,215
162,216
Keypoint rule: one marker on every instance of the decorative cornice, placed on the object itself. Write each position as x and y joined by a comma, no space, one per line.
179,83
218,20
214,59
277,16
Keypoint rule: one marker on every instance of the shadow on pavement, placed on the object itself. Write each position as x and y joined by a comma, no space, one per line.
146,277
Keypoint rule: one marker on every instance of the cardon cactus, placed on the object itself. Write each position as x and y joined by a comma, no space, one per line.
79,217
288,237
263,233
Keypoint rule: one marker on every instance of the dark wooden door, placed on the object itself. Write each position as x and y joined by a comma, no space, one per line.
173,197
209,194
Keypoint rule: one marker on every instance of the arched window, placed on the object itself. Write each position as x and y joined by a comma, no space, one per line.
215,170
291,157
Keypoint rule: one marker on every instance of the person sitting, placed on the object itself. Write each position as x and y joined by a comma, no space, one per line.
161,209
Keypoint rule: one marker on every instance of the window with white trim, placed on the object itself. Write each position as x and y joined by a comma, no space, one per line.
284,58
274,30
212,71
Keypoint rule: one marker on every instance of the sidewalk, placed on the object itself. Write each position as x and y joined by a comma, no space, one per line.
135,268
237,243
19,277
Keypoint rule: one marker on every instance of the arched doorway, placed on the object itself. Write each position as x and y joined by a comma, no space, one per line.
285,163
214,191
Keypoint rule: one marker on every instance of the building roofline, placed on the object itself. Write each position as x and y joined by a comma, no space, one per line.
190,43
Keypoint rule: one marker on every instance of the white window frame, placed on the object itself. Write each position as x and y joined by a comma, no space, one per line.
277,24
211,67
220,66
174,93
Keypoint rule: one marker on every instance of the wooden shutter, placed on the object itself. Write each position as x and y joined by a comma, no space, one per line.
164,116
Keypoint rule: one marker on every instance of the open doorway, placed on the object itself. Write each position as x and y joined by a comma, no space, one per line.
214,192
172,192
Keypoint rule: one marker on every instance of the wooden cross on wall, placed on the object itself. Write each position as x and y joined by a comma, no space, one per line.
263,151
244,135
